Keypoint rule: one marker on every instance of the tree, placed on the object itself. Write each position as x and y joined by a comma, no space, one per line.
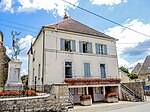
124,69
24,79
133,76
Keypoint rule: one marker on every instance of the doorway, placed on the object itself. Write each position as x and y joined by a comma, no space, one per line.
90,91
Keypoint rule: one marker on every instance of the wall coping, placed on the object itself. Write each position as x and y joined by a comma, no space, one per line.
25,98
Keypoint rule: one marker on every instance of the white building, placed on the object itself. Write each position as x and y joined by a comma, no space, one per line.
71,52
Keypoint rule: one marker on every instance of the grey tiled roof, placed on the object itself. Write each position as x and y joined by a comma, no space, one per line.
75,26
145,69
137,68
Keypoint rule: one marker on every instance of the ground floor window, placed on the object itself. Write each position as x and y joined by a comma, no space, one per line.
68,69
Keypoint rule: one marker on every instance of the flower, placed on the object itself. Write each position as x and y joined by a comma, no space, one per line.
73,81
85,96
30,92
112,94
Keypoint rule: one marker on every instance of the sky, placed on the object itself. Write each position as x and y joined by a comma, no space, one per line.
28,16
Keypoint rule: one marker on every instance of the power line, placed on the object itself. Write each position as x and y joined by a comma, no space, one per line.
19,24
17,28
106,19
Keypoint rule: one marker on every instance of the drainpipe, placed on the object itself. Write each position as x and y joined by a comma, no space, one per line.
43,60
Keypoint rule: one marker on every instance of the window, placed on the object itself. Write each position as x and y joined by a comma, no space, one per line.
101,49
85,47
72,90
39,71
67,45
33,56
87,72
68,69
148,77
79,91
97,90
33,75
102,69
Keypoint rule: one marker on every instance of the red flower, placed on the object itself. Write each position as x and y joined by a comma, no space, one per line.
83,97
111,94
91,80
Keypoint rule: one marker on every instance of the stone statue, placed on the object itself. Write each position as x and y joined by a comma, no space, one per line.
15,45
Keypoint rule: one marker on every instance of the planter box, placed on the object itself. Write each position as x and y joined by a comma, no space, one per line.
86,102
112,99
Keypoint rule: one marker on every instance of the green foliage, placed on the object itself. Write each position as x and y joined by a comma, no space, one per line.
124,69
24,79
133,76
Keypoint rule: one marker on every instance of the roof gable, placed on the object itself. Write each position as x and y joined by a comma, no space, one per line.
75,26
137,68
145,69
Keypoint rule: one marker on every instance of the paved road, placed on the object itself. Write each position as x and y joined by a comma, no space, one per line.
122,106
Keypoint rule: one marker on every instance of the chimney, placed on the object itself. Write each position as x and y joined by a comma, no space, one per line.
65,16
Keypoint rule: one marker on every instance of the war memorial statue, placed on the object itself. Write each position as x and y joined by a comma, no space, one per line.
14,66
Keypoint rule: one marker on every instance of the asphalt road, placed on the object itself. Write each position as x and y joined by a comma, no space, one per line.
122,106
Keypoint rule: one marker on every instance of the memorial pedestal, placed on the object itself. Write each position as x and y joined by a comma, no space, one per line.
14,80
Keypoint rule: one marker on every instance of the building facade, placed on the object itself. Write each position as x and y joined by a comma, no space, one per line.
71,52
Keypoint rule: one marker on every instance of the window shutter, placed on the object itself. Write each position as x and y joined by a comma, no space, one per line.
87,70
62,44
73,45
105,50
97,48
90,50
81,46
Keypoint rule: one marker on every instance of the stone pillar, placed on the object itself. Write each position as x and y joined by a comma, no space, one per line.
60,90
14,80
104,91
3,66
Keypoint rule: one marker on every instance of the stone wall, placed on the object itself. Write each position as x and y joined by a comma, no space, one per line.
3,66
137,87
57,100
47,103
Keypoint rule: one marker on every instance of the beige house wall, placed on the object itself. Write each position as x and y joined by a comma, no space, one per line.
54,63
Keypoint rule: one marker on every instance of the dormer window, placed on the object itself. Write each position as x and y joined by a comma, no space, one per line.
67,45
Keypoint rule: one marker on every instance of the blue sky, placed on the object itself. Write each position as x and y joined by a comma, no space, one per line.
28,16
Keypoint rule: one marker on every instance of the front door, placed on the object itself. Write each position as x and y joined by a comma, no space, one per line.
90,91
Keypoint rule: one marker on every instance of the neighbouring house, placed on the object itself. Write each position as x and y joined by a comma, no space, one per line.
4,59
124,77
73,53
144,71
137,68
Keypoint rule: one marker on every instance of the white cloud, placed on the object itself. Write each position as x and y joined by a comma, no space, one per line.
129,39
54,6
6,5
107,2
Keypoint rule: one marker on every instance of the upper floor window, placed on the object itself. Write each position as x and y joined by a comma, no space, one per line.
67,45
101,49
85,47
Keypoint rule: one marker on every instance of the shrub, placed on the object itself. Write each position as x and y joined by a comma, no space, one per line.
83,97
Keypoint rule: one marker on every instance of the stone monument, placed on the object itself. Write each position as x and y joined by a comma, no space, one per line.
14,67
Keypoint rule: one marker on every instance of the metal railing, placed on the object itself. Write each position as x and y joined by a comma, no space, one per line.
131,92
